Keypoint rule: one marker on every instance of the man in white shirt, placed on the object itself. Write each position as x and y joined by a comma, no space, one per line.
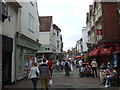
94,68
81,69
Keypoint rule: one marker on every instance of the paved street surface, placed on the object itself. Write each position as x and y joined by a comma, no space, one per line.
61,81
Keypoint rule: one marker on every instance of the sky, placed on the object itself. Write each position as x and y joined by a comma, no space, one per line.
68,15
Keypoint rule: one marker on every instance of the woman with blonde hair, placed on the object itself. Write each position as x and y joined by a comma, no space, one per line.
34,75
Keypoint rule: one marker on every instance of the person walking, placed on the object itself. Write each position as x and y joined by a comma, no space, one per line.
67,68
45,75
94,68
80,65
51,65
34,75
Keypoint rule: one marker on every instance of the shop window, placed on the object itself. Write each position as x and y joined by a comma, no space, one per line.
26,64
20,63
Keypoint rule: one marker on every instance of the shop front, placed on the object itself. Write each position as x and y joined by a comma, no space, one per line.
25,55
7,49
104,52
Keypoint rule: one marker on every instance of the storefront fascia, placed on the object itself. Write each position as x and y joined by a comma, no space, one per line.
26,49
43,53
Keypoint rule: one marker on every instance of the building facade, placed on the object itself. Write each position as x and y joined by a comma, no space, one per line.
103,30
47,38
79,47
58,41
9,29
85,39
20,39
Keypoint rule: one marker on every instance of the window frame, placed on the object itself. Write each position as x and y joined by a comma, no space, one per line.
30,22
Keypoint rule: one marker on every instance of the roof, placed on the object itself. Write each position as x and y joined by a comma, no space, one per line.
56,27
45,23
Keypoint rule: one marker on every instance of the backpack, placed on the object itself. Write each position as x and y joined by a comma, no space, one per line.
66,64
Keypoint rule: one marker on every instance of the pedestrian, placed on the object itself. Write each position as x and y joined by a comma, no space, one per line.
71,65
81,68
94,68
62,64
109,65
33,75
67,68
45,75
58,65
51,65
102,66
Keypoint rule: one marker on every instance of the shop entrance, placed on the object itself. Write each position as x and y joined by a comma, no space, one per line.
6,67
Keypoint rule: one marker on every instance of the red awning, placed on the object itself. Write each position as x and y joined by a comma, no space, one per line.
95,52
91,53
117,49
106,51
78,56
72,58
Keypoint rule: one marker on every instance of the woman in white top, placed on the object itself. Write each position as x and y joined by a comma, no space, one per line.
33,76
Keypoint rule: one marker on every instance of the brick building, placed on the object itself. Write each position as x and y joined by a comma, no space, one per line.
103,31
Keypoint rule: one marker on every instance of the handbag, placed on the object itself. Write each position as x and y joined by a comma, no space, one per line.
37,74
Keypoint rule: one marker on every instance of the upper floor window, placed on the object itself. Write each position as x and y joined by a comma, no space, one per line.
54,34
47,48
30,22
57,33
32,3
57,44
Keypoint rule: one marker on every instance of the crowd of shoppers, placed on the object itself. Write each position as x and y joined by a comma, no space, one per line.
44,70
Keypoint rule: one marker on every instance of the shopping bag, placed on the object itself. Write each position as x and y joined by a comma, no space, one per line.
51,83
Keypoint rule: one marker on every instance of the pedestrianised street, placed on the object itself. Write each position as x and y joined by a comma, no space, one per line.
62,81
66,36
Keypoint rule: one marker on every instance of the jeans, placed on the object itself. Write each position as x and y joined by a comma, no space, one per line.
94,71
81,71
34,80
51,71
108,80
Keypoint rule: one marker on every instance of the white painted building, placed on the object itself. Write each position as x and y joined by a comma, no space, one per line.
79,47
20,34
85,39
58,40
46,38
9,29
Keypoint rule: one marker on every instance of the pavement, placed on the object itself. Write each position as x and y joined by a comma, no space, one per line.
62,81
